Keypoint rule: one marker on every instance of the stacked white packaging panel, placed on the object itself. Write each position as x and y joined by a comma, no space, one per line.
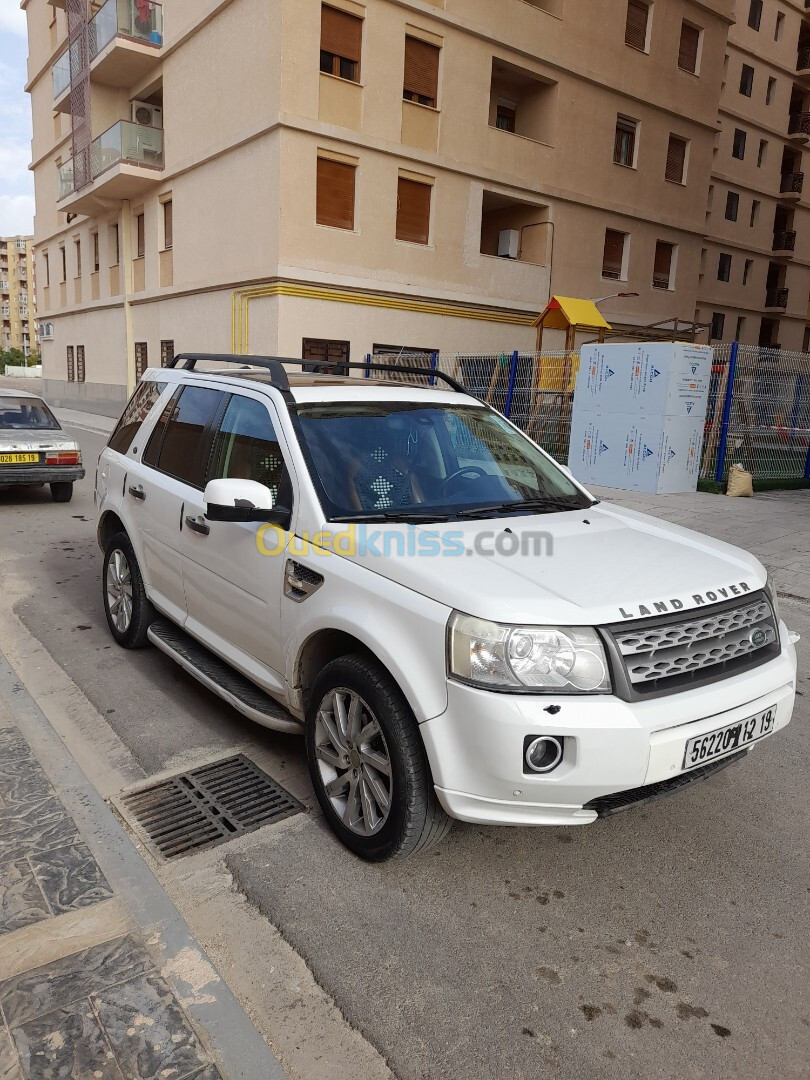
638,415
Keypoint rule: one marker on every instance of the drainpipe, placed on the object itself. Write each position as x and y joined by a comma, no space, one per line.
128,282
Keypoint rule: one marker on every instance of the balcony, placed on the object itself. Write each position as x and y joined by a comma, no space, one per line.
799,127
791,186
123,161
61,83
125,38
776,299
784,243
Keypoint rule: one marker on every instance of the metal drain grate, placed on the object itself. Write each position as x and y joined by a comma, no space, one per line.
205,806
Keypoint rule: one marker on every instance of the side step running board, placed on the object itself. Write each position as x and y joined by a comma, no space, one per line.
221,678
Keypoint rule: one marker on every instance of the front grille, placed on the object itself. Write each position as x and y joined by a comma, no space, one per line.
672,652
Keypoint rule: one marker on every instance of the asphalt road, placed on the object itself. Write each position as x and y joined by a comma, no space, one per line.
667,942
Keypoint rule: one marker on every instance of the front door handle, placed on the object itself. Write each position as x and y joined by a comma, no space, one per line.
137,492
197,524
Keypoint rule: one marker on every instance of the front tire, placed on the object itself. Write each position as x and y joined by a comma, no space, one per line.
368,764
62,490
129,613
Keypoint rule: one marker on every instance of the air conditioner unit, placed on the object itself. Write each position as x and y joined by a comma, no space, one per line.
146,114
509,243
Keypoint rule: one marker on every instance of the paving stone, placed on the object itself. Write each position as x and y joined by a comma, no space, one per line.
21,780
148,1030
21,900
9,1066
71,978
66,1044
35,826
70,878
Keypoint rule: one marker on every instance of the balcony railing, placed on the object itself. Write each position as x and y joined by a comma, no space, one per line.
784,240
140,20
799,124
61,75
133,144
776,298
792,183
803,59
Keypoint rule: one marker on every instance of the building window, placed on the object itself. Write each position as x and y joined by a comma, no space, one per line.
662,268
326,357
80,363
718,326
755,14
95,252
746,80
334,201
47,268
141,362
624,146
749,265
762,153
724,267
166,353
738,146
168,225
421,82
770,90
676,160
63,263
635,30
140,232
71,371
413,211
754,212
115,245
613,256
689,48
780,22
78,244
341,41
505,116
732,206
738,333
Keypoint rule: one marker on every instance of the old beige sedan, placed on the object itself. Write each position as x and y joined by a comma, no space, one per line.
33,447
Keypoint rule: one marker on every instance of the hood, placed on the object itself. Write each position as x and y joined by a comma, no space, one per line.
588,567
21,439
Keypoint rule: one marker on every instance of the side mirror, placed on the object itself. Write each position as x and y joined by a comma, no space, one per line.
242,500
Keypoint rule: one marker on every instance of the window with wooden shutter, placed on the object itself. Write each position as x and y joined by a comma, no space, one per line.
341,42
689,46
635,31
413,211
166,352
624,147
676,160
141,361
71,371
335,194
421,82
662,267
140,233
80,363
613,257
168,224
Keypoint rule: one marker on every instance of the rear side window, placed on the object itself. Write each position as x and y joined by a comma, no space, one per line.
138,408
183,453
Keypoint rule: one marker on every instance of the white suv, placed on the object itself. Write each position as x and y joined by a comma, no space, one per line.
458,628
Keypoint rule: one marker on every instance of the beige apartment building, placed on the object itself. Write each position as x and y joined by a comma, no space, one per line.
755,268
344,178
18,306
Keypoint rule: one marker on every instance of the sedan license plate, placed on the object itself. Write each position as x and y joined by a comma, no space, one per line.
19,459
726,740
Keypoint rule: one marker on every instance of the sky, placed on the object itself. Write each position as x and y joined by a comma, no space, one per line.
16,182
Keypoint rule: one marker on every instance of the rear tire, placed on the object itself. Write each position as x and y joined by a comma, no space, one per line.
129,613
62,490
368,763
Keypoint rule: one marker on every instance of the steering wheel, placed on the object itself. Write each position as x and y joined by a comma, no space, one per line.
467,470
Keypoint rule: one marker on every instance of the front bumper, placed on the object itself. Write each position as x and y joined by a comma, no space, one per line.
475,747
40,474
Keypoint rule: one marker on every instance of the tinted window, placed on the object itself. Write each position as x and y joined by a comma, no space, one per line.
17,413
137,410
183,452
152,451
246,445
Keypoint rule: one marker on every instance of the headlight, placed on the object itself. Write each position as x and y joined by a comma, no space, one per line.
543,659
770,589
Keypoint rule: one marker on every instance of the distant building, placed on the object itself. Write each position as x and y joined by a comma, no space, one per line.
18,305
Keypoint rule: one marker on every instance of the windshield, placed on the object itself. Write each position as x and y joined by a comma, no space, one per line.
428,462
16,413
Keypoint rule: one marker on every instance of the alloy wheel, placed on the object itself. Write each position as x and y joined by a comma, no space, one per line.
119,591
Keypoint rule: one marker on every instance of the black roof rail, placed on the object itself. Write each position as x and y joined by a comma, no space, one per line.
275,365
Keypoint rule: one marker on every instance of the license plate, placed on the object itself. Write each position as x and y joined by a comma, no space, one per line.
726,740
19,459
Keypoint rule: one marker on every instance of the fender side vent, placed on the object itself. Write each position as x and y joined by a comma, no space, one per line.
299,581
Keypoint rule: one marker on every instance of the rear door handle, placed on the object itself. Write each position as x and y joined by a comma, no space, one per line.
137,492
197,524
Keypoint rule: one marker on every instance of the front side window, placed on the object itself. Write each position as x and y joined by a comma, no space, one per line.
138,408
246,446
25,413
182,454
427,461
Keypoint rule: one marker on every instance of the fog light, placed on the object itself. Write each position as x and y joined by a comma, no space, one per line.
543,753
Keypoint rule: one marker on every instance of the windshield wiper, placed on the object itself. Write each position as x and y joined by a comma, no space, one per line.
391,516
547,504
